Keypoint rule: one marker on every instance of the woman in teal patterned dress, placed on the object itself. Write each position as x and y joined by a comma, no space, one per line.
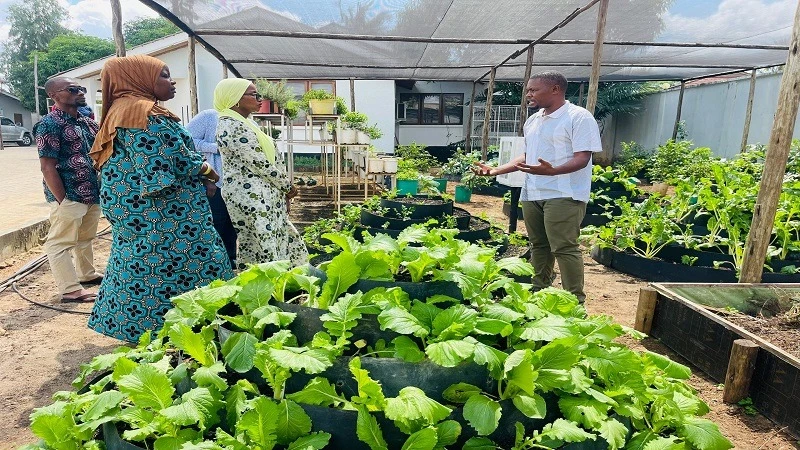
153,194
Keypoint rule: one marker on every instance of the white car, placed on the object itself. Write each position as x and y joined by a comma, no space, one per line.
15,133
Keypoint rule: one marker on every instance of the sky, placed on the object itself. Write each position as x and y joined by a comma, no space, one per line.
686,20
89,16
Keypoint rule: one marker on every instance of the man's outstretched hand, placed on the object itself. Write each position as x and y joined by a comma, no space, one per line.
482,169
543,168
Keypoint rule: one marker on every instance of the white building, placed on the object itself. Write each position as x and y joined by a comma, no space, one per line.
430,113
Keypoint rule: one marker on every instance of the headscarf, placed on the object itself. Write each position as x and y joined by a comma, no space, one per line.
228,93
128,86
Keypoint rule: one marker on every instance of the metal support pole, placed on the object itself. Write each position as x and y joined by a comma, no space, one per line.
116,25
678,114
597,55
523,104
749,113
487,115
224,71
468,140
352,95
580,94
780,140
192,76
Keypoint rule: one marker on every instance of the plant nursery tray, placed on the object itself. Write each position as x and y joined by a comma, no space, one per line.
685,320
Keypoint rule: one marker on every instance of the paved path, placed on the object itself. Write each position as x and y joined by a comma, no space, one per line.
21,197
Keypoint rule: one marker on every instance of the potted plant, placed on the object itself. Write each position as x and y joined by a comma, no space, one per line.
374,162
407,178
352,122
469,181
319,102
277,93
390,164
371,133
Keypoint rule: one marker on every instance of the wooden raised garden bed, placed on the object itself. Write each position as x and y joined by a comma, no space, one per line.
692,319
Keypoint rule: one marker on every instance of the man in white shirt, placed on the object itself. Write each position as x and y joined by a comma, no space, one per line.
559,141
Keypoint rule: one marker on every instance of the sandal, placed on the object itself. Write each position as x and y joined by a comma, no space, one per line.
93,282
85,298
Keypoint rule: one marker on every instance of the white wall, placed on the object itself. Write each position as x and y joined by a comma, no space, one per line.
714,115
209,73
436,135
376,99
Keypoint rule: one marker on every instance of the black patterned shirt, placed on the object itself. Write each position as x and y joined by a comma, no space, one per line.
69,139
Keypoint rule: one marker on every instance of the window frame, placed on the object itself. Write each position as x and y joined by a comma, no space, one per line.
420,99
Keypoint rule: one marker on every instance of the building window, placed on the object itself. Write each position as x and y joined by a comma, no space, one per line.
430,109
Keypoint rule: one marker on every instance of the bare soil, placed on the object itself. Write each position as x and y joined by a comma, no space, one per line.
784,335
41,349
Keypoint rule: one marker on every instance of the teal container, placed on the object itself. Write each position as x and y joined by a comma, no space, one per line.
441,184
463,194
406,187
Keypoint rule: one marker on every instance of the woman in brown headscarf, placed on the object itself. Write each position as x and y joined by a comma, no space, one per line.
152,191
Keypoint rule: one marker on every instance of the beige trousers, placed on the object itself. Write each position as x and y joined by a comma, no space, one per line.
73,227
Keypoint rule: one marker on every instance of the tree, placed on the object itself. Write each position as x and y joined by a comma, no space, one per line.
33,24
147,29
63,53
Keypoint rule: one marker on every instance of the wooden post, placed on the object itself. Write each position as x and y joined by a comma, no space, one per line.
678,114
116,24
645,311
780,139
352,94
468,140
36,83
580,94
487,116
740,370
597,55
523,105
749,113
192,77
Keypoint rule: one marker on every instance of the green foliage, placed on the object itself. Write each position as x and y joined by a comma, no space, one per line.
32,25
354,120
276,91
62,53
472,181
634,159
679,160
416,155
147,29
188,387
461,162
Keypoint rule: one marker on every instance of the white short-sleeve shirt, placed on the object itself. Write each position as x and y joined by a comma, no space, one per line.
555,138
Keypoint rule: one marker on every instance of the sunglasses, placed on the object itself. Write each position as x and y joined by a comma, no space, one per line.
73,89
258,96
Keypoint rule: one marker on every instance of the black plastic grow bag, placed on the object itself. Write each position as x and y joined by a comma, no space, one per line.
421,210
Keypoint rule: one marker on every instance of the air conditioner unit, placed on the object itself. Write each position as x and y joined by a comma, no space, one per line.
510,148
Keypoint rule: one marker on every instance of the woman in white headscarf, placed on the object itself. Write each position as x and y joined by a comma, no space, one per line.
257,187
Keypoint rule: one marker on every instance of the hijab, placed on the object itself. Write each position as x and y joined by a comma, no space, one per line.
128,86
227,94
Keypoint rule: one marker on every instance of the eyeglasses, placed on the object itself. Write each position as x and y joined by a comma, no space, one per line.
73,89
258,96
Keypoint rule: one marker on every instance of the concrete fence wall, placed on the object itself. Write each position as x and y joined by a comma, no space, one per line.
714,115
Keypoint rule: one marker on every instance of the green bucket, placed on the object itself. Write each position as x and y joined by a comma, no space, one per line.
405,187
463,194
441,184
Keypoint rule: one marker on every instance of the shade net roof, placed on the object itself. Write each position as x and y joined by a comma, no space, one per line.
515,22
